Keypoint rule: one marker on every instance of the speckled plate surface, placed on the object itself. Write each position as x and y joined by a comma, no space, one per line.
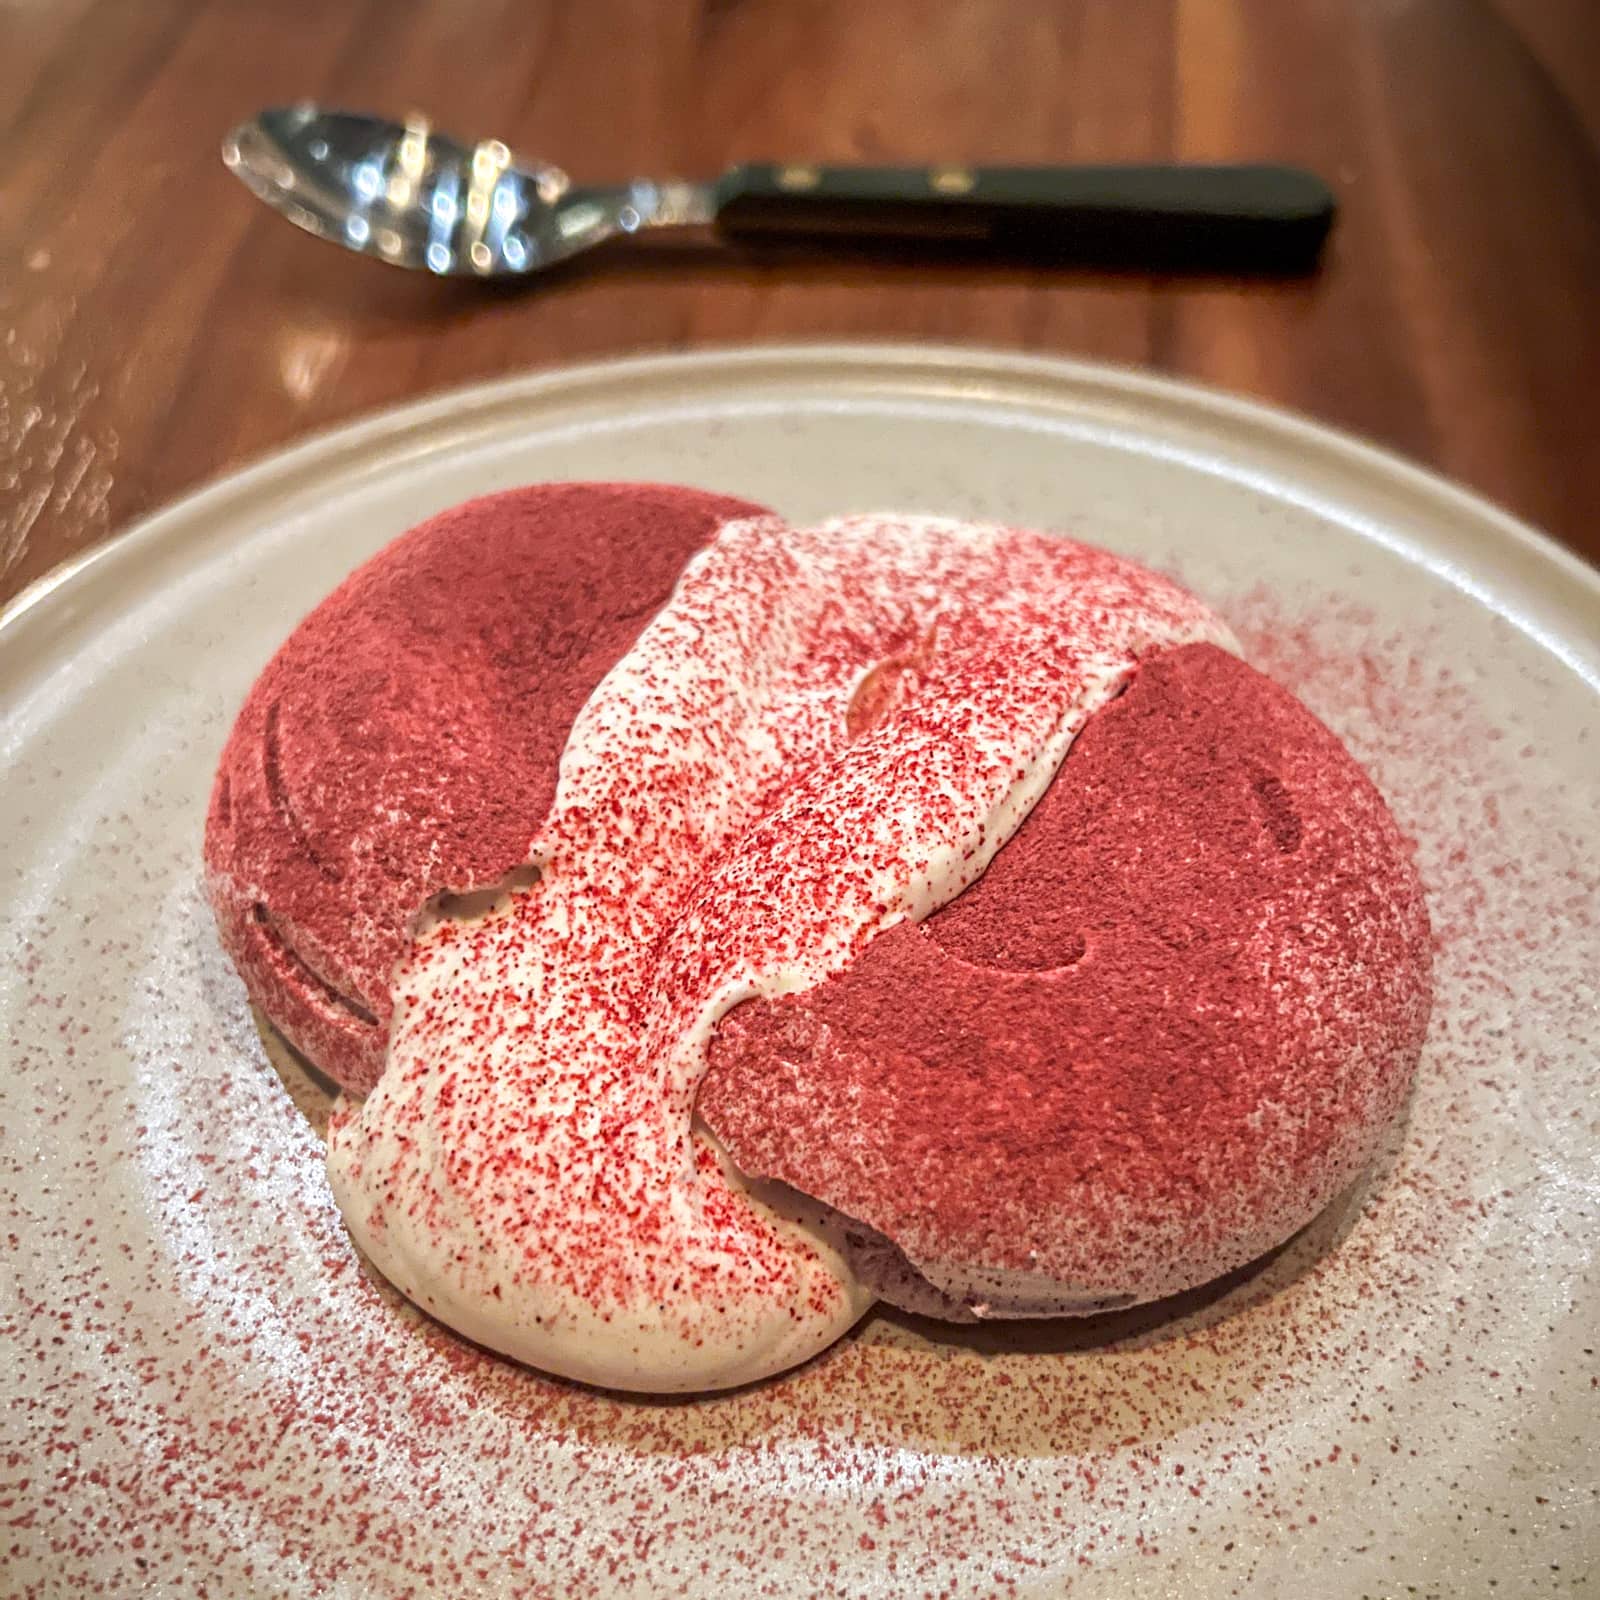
205,1393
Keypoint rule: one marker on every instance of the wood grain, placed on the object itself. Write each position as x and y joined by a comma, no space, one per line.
160,327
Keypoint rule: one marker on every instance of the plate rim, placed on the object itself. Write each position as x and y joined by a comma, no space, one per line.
891,362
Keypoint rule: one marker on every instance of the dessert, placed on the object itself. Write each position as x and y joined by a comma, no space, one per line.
627,848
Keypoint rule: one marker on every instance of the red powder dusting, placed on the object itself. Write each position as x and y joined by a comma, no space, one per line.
405,740
1156,1037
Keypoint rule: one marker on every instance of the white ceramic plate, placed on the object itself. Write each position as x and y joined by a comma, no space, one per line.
205,1394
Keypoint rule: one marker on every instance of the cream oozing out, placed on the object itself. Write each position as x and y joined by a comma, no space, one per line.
528,1169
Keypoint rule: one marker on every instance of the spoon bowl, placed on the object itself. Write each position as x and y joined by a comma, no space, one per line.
413,196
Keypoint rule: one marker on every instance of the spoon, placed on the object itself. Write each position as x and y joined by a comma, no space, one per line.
417,198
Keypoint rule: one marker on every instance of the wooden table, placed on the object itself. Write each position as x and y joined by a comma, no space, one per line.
159,326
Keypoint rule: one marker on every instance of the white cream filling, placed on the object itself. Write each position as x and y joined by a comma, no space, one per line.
527,1169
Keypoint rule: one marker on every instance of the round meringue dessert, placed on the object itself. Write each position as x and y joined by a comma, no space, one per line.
717,926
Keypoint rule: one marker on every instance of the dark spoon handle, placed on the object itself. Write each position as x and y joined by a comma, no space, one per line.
1261,217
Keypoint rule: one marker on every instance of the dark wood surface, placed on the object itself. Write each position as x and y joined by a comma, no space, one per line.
158,326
